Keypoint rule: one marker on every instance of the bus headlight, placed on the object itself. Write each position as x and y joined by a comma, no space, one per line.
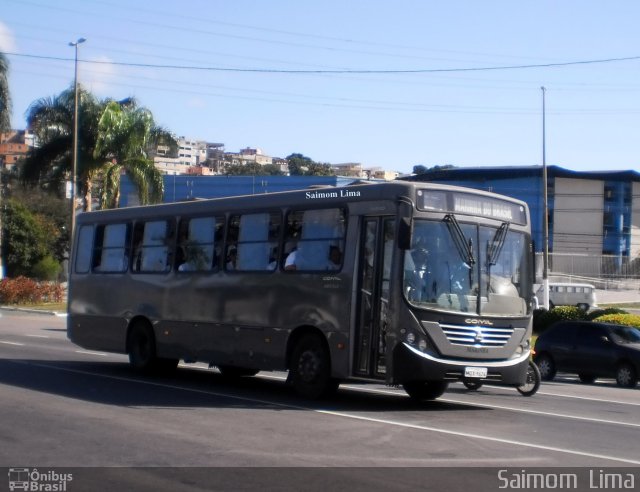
411,338
422,345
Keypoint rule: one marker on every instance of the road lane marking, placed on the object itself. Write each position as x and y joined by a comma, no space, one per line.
88,352
38,336
12,343
560,395
345,415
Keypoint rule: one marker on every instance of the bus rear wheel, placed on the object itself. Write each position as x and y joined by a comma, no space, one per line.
310,370
141,346
425,390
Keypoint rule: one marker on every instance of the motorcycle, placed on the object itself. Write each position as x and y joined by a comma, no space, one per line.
529,388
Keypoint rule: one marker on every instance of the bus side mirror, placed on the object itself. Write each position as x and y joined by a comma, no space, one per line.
405,231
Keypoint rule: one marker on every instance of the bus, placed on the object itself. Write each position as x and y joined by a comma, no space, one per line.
411,284
570,294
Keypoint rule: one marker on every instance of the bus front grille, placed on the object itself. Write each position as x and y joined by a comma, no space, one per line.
477,336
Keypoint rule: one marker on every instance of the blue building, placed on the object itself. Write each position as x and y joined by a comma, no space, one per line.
590,213
179,188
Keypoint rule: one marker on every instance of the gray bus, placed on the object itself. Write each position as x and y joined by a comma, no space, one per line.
412,284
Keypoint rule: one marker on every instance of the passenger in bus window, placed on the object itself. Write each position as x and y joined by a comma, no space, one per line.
290,262
232,259
335,258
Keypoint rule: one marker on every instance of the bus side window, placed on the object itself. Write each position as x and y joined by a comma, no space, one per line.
197,244
111,253
84,249
257,240
319,235
151,246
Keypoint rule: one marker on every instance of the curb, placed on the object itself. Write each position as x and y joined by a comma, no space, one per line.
34,311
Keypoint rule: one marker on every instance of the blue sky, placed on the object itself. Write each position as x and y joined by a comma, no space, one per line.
417,107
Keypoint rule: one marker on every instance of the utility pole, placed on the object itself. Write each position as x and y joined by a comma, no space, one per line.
74,172
545,235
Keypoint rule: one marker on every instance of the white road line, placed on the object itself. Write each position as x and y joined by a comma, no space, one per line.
560,395
88,352
358,417
37,336
12,343
355,417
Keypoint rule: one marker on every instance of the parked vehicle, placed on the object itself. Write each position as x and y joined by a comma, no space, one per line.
567,294
592,350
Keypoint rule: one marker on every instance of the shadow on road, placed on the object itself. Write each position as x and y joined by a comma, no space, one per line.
112,383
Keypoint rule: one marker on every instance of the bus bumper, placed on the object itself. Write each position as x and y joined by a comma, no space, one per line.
410,364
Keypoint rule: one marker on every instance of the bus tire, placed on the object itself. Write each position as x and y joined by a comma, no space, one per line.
141,346
425,390
310,370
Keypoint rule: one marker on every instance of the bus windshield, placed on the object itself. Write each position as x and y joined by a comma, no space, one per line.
468,268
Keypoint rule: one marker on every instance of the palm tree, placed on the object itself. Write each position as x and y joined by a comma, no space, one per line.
126,132
51,120
111,136
5,97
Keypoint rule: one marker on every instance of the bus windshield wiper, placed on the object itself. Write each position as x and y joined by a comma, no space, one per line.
463,245
495,246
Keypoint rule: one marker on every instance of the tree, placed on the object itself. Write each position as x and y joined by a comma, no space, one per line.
5,97
51,120
420,169
112,136
29,238
125,134
300,165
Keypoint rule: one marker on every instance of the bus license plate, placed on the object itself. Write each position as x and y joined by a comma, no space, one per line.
475,372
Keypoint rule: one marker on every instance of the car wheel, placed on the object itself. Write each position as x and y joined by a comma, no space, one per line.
626,376
546,366
587,378
425,390
584,307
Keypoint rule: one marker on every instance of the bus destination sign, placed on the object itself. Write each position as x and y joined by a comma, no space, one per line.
468,204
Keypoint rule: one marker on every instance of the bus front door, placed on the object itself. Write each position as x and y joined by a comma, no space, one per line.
376,248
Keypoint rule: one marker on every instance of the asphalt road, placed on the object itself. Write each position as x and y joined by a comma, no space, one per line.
63,407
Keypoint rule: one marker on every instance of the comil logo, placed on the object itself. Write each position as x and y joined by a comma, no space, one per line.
38,481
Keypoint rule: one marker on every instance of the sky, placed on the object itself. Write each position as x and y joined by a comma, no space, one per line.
389,84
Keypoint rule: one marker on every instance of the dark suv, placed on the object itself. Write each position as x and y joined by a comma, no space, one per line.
591,350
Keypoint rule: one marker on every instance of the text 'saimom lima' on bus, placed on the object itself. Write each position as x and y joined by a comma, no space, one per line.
405,283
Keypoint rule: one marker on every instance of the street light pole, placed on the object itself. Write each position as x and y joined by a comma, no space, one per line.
545,236
74,172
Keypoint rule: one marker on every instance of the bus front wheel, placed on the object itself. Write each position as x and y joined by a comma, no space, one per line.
310,370
425,390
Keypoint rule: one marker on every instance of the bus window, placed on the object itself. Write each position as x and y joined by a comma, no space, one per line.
151,246
85,245
253,242
111,248
318,237
199,244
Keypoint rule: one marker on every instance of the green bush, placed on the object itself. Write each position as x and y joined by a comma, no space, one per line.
601,312
621,319
48,268
23,290
543,319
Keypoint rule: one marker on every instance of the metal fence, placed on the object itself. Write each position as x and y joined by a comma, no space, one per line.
604,271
